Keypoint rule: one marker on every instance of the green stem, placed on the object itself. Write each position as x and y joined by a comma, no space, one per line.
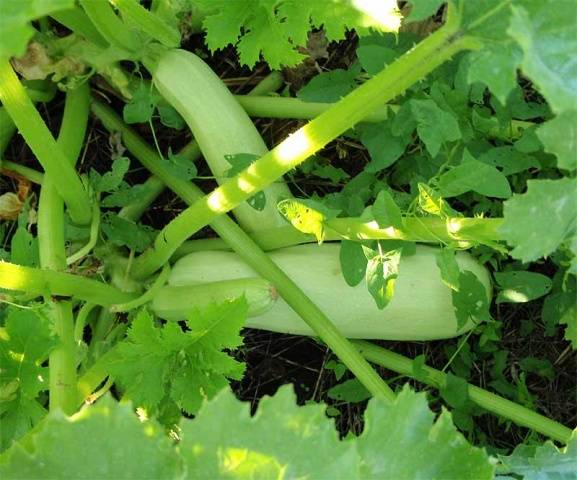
148,22
109,25
51,243
48,282
251,254
146,296
487,400
288,107
40,140
416,229
29,173
394,80
93,239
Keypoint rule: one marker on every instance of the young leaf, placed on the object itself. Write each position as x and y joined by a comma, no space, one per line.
384,147
434,125
382,272
538,221
353,262
123,232
141,106
111,180
431,202
330,86
449,268
386,212
470,301
475,176
350,391
521,286
303,218
181,166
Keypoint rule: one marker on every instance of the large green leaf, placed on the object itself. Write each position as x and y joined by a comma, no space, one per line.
538,221
105,441
401,440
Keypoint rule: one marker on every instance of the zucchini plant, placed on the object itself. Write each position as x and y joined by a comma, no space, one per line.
96,303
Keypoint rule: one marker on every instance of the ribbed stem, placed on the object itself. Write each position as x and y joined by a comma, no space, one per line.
51,243
485,399
287,107
42,143
48,282
109,25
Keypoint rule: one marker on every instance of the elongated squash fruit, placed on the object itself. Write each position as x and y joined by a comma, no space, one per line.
219,125
421,308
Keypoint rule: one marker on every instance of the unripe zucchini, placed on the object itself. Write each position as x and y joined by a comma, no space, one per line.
176,302
421,308
219,125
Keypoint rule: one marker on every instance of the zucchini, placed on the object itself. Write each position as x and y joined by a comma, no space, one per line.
421,308
219,125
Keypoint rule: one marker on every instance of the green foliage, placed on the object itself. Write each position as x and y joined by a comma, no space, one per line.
542,462
274,28
25,343
540,220
15,28
118,443
520,286
398,439
168,364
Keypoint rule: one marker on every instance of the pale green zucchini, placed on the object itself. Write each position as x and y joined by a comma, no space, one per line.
421,308
219,125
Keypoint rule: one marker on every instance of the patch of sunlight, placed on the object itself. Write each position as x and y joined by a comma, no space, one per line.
514,296
216,201
142,414
454,225
245,463
295,146
383,14
373,226
13,277
17,357
244,185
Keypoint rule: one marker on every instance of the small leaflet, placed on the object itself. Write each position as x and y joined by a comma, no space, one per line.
449,268
303,218
386,211
521,286
353,262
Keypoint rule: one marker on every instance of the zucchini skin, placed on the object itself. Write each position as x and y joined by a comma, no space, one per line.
421,308
219,125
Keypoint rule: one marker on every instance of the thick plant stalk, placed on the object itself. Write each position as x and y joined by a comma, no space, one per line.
483,398
287,107
51,243
109,26
251,254
40,140
48,282
78,22
416,229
